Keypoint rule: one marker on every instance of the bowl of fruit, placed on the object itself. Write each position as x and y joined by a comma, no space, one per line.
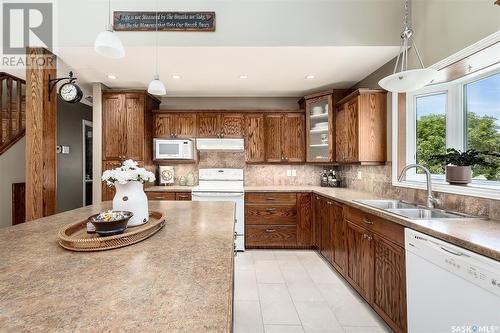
111,222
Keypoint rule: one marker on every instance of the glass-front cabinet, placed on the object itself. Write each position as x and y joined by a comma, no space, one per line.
319,129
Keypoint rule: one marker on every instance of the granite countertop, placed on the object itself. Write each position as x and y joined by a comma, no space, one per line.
178,280
168,188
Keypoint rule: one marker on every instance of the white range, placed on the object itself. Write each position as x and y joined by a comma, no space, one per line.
224,185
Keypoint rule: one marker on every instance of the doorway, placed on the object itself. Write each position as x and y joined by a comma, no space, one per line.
87,132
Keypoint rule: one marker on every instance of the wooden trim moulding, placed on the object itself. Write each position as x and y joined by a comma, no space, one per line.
358,92
130,91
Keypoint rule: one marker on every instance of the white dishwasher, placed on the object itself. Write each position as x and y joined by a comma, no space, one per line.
450,289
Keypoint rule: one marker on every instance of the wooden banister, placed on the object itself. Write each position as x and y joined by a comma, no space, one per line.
12,110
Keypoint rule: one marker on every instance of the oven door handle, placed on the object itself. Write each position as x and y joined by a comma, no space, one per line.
217,194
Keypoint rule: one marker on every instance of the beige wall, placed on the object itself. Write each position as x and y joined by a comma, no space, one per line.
12,170
236,103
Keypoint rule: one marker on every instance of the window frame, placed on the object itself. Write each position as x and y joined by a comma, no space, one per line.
456,135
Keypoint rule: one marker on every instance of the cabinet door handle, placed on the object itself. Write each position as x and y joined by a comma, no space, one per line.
366,221
270,230
368,237
222,135
271,209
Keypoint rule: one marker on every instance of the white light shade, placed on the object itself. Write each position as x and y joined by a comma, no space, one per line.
408,80
109,45
156,87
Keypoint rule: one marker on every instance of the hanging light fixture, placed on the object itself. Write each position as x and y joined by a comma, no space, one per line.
407,80
156,87
107,42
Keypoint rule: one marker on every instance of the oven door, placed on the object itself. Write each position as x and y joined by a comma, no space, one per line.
238,199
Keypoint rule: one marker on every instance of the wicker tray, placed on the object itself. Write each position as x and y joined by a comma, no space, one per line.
74,237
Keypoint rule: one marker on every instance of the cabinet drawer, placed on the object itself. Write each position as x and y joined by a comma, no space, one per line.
270,236
160,195
388,229
271,197
183,196
271,214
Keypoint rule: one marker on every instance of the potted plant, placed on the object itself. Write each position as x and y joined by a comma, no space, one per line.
458,165
129,180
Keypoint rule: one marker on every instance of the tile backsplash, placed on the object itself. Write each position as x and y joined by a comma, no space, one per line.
255,175
377,180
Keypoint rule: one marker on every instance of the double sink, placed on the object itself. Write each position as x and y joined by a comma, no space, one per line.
412,211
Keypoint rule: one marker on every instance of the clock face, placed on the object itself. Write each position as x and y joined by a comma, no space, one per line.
68,92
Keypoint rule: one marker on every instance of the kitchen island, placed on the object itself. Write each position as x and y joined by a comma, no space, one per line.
178,280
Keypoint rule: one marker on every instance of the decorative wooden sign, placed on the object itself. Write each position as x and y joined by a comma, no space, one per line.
167,21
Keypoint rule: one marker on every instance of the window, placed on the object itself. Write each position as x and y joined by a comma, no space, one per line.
464,114
430,129
482,105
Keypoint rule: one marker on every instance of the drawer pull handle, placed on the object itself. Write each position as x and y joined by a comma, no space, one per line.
270,209
365,236
366,221
270,230
270,198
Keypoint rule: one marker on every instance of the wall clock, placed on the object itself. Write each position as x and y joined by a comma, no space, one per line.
70,92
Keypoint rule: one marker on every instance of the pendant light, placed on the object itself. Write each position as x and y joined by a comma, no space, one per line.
156,87
407,80
107,42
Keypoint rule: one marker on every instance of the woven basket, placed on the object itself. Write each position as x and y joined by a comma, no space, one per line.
74,237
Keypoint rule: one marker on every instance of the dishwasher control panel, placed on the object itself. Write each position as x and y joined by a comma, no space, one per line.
480,270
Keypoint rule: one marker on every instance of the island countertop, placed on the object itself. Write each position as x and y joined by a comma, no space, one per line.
178,280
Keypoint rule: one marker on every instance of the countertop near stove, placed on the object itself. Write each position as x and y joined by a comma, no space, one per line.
178,280
168,188
481,236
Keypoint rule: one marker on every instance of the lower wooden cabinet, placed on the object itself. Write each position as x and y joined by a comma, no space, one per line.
162,195
278,220
368,251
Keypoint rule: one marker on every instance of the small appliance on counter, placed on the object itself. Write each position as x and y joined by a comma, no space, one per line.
167,149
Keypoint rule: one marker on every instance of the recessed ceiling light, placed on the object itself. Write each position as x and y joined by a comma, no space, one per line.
243,77
176,77
112,77
309,77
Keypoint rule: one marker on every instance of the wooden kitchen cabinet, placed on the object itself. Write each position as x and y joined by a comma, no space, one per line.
361,127
339,258
278,220
389,285
127,130
220,125
162,195
317,218
175,125
326,230
255,149
359,259
284,138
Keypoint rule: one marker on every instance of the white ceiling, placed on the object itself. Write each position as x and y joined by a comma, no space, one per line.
215,71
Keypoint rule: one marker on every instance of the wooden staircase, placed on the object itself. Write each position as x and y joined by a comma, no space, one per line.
12,110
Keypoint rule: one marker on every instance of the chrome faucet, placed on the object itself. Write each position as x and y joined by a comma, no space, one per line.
431,201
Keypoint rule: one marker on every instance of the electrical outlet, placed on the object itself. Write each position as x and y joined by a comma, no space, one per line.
294,173
289,172
360,175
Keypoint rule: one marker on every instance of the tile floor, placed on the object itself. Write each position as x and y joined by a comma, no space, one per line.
296,291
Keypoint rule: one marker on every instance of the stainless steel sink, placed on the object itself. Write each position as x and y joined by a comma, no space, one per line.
413,211
387,204
426,214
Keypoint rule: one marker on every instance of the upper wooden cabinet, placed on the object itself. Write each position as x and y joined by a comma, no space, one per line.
361,127
220,125
175,125
320,124
284,137
254,138
127,124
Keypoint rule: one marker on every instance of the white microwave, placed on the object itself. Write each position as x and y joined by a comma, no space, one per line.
165,149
